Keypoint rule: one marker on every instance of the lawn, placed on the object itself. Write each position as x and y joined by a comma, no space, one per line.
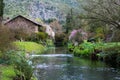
30,47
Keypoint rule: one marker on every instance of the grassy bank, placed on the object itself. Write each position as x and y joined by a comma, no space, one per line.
30,47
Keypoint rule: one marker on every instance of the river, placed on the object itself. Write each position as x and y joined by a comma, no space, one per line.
58,65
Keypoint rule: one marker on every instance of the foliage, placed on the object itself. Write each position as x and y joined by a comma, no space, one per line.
105,11
32,38
108,52
23,69
116,37
81,50
104,14
30,47
61,39
70,23
78,36
49,43
112,55
56,27
1,10
53,8
7,72
41,35
6,37
99,33
38,20
85,49
37,37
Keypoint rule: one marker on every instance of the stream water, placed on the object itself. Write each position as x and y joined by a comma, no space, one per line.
62,66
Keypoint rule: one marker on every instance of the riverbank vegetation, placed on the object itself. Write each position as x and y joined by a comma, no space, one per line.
93,34
107,52
96,37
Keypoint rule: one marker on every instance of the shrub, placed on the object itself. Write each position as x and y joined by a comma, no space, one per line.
78,36
49,43
61,39
32,37
6,38
24,70
116,37
41,35
112,55
86,49
37,37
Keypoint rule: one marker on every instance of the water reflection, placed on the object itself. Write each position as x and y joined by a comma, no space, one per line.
67,67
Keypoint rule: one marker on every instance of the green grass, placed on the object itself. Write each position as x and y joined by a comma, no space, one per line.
7,72
30,47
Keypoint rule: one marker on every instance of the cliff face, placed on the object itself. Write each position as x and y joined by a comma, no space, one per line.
44,9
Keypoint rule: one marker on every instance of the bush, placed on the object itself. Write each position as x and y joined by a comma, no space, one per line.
42,35
116,37
61,39
37,37
86,49
32,38
112,55
49,43
24,70
6,37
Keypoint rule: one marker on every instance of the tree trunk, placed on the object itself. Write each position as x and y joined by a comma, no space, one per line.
113,34
0,20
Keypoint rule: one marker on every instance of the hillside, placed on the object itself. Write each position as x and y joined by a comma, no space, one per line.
44,9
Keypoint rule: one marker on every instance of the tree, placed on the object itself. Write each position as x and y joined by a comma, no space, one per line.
103,14
106,11
73,21
6,37
69,21
78,36
56,27
1,10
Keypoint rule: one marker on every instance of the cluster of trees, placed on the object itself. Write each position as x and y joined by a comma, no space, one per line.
100,17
